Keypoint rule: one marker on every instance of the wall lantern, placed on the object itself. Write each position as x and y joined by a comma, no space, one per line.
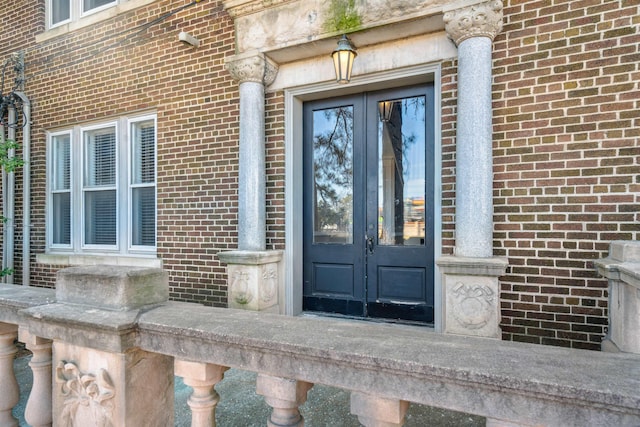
343,59
386,108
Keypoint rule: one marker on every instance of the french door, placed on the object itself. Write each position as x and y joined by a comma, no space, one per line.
368,205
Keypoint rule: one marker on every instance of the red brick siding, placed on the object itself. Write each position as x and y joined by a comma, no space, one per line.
196,102
566,126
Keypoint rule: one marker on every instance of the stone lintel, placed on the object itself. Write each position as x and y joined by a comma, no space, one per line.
467,266
250,257
289,30
112,287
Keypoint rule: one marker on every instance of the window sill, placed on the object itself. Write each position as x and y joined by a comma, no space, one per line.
76,260
91,19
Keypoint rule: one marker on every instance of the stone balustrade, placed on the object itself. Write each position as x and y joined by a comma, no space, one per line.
115,358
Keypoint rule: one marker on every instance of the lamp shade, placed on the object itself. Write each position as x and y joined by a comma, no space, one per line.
343,57
386,109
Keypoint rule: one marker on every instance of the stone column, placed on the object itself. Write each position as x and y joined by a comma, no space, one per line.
101,377
376,411
202,377
284,396
9,391
253,72
253,272
471,288
622,268
38,410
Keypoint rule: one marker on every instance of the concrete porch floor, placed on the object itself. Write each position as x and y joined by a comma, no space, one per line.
240,406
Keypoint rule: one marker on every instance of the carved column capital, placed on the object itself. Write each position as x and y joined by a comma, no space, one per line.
255,68
478,20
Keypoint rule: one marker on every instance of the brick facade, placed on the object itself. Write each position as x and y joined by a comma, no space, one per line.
566,150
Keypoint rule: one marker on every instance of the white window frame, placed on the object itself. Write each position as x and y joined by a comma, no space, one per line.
76,11
50,190
130,186
124,151
84,131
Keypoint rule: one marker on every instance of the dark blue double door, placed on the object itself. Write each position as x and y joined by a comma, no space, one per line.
368,205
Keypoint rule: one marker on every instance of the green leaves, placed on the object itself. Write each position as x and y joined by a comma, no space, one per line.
7,159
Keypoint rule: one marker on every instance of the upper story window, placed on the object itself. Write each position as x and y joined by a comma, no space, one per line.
62,11
102,188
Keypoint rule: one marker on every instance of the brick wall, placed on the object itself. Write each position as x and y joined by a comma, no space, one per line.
567,176
78,78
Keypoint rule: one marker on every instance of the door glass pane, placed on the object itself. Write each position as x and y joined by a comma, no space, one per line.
333,175
401,171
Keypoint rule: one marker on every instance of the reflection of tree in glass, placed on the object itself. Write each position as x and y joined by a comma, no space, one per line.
333,161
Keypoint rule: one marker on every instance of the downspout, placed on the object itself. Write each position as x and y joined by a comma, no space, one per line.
26,189
4,211
10,225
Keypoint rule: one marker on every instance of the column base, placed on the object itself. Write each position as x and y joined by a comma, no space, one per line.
471,294
253,279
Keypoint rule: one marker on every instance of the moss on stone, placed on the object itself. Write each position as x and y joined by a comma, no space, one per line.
343,17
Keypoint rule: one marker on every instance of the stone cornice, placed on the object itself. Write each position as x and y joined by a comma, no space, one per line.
252,68
237,8
479,20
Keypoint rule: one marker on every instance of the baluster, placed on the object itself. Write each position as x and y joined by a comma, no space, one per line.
38,411
202,377
9,391
284,396
375,411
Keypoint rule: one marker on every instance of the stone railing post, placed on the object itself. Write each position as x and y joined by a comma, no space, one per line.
202,377
376,411
38,411
9,391
471,288
253,272
284,396
101,376
622,268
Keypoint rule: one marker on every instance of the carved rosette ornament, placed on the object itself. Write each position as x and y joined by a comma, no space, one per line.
479,20
88,398
472,304
256,68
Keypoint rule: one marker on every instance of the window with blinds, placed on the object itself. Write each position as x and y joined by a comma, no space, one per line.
102,188
61,11
143,178
99,189
61,189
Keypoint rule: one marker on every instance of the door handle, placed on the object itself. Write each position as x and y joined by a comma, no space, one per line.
370,246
